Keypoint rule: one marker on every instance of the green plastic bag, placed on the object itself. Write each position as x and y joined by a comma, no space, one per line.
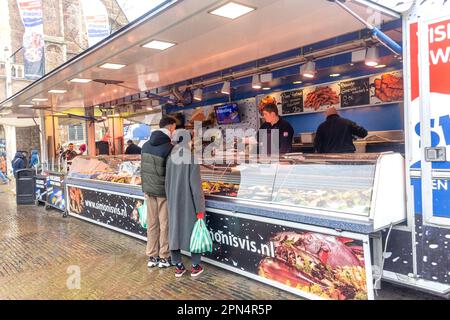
201,239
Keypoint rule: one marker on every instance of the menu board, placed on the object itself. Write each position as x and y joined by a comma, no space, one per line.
355,93
321,97
292,102
387,87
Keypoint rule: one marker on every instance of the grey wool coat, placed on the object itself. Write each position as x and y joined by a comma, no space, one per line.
185,198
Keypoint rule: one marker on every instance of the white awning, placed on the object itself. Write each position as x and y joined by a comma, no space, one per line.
205,43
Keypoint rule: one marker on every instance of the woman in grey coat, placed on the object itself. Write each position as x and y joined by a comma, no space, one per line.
186,204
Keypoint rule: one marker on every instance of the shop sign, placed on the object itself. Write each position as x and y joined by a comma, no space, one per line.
41,188
55,191
110,209
309,263
439,55
378,89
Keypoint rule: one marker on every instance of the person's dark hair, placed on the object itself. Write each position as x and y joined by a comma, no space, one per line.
270,107
130,141
71,144
166,121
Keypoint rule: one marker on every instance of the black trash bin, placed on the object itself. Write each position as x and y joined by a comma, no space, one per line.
26,186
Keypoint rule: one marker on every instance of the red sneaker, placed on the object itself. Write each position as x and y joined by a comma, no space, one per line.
196,270
180,270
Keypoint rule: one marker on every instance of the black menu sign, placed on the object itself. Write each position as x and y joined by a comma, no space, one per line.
355,93
292,102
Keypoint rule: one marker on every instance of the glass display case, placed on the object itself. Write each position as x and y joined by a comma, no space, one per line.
125,169
355,185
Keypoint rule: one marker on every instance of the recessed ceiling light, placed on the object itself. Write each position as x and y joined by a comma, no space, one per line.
112,66
158,45
80,80
57,91
334,75
380,66
232,10
26,105
39,99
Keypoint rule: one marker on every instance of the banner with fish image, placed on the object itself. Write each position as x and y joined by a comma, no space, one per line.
109,209
33,38
309,263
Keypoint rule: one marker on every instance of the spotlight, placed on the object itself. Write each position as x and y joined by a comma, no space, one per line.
226,89
308,70
372,57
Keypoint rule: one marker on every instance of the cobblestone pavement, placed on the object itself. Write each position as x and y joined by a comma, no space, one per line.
40,250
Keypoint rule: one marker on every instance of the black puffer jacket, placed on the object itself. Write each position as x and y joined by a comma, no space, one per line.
153,166
335,135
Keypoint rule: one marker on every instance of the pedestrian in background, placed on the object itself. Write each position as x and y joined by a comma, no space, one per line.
18,163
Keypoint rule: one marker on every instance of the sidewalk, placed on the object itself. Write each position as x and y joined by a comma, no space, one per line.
41,254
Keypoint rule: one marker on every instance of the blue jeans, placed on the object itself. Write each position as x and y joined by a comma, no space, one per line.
3,178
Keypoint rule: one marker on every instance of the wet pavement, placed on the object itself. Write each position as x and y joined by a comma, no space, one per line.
42,254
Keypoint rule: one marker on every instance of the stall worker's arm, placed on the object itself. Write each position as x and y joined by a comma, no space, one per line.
318,141
358,130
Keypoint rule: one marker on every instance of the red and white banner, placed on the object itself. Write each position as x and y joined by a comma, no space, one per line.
438,29
96,19
33,37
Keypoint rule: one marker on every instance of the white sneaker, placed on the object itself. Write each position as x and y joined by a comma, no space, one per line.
164,263
152,262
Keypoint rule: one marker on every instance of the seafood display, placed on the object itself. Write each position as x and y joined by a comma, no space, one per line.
321,96
124,170
388,87
327,266
356,201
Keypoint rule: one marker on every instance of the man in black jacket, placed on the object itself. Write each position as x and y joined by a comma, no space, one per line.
153,174
335,135
132,148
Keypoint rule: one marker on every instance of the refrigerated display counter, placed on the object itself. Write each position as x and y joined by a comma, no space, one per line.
307,224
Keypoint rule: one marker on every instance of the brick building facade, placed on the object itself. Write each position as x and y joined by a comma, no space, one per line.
65,36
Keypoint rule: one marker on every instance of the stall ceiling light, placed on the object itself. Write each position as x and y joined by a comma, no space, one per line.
372,57
266,88
297,82
198,94
39,99
26,105
232,10
158,45
112,66
256,84
226,89
380,66
308,70
334,75
57,91
80,80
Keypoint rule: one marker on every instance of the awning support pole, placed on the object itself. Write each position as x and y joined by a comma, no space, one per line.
377,33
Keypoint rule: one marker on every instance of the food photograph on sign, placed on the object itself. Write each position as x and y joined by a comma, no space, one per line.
321,98
386,88
310,263
327,266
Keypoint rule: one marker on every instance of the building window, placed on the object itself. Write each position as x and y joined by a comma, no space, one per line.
19,72
13,71
76,133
